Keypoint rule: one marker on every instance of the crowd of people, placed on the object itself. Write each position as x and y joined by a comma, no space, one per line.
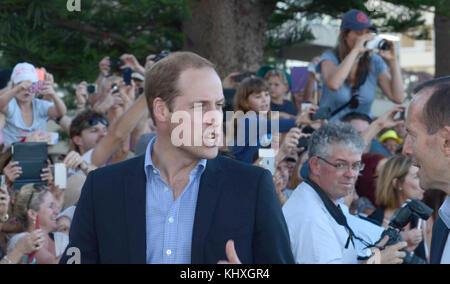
329,188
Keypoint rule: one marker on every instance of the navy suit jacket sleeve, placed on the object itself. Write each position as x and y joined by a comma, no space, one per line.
82,233
271,239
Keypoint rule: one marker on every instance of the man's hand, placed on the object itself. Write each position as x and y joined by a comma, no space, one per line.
387,119
304,118
230,251
392,254
73,160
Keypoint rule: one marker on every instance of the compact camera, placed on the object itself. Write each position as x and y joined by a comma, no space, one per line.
378,44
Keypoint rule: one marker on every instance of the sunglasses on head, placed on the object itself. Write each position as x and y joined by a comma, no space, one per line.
94,122
36,188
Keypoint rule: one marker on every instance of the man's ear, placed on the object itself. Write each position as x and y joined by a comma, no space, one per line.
444,141
161,110
314,166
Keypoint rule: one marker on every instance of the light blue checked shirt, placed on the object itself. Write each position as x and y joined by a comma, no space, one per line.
169,223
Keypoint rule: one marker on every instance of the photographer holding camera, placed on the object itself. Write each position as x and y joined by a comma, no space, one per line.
351,72
428,142
318,228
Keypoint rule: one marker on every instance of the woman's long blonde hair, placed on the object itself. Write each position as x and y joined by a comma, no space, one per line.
28,198
387,195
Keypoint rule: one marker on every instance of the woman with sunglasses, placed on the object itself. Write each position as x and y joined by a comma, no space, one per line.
351,72
36,208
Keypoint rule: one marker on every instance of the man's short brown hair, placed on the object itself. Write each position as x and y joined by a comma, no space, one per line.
162,78
436,112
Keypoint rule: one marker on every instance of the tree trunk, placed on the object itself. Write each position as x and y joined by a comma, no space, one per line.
230,33
442,32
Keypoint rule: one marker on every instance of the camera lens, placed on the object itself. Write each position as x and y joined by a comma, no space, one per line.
384,45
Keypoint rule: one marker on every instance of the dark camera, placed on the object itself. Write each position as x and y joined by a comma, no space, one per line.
241,77
303,142
127,75
160,56
115,88
91,89
400,116
115,63
410,210
322,113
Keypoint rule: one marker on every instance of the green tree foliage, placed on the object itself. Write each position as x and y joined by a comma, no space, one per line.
70,44
290,21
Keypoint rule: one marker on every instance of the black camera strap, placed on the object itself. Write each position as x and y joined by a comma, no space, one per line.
355,90
335,211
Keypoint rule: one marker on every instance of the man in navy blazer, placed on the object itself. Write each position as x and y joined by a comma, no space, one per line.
230,211
428,142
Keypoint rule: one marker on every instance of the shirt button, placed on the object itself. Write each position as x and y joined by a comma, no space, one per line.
166,189
155,172
171,220
168,252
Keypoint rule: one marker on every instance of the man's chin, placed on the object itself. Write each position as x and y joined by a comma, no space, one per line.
203,152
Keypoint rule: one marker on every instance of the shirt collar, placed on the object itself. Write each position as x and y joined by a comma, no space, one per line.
150,167
444,212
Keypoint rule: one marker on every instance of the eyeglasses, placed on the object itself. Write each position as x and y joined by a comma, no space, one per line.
94,122
36,188
356,167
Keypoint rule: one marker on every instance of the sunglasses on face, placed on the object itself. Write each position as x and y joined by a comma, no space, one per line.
94,122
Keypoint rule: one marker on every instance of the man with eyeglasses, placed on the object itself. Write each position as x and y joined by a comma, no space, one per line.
318,229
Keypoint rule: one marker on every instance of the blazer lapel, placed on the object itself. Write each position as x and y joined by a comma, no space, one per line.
438,241
135,196
208,195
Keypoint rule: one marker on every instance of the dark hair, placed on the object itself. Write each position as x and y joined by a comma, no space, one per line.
356,115
436,112
77,125
246,88
431,83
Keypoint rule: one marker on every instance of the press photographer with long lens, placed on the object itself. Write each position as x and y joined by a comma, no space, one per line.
352,71
318,228
428,143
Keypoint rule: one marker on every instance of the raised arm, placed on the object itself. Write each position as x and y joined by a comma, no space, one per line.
334,76
11,93
119,131
392,84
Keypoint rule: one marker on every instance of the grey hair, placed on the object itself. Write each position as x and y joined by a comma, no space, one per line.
332,134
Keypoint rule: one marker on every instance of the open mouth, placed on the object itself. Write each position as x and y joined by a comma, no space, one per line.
211,139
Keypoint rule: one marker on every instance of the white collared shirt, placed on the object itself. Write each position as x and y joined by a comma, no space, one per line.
444,213
315,236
